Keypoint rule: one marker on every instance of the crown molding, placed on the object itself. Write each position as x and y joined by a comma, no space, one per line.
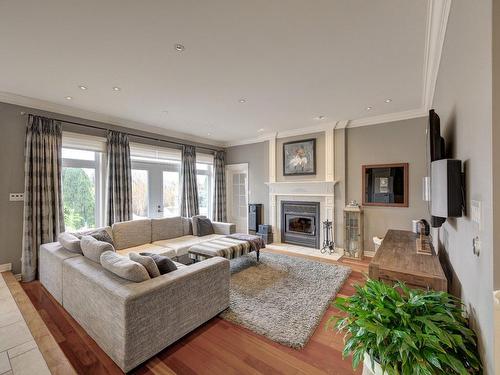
389,117
62,109
284,134
437,20
263,138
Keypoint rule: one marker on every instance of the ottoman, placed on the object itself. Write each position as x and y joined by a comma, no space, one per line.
225,247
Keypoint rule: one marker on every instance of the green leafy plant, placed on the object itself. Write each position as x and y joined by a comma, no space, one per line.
407,331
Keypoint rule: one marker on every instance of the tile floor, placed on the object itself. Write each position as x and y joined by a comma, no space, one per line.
19,353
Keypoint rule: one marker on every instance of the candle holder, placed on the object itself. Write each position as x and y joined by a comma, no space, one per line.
328,243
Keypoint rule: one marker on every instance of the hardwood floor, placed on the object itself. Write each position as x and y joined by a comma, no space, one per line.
217,347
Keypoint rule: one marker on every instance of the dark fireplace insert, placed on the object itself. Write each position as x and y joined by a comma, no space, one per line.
300,223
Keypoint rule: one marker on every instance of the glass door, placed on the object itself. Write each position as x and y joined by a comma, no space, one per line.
237,196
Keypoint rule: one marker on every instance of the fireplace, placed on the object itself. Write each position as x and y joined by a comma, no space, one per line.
300,223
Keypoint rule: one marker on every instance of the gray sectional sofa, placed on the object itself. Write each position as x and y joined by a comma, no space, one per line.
133,321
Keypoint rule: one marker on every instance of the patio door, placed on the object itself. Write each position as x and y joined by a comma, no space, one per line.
237,195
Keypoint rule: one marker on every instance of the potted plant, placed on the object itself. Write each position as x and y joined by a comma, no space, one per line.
398,330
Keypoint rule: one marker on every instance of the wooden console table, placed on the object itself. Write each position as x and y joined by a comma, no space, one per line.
397,260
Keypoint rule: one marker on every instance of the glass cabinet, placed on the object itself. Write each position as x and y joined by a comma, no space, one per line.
353,232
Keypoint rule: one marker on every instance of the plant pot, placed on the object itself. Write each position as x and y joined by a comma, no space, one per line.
367,367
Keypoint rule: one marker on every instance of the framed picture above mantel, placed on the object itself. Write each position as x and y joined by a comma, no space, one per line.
385,185
299,157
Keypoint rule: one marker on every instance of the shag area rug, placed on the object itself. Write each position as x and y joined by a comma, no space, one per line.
282,297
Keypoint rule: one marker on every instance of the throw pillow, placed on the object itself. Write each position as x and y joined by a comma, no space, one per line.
164,264
204,227
124,267
93,248
147,262
194,224
98,234
70,242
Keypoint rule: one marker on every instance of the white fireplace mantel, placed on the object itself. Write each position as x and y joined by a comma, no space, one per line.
302,188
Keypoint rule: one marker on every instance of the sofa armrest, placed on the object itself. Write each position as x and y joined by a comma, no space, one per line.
223,228
162,310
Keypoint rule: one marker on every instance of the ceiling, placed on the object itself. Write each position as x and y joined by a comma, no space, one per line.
292,60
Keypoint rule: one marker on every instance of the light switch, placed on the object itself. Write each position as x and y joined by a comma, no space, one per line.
16,197
476,212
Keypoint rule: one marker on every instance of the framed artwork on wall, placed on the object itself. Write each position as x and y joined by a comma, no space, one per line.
299,158
385,185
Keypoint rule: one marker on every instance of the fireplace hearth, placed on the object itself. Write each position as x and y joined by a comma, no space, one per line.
300,223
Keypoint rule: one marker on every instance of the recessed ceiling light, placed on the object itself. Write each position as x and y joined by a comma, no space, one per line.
116,88
320,117
68,97
260,130
164,112
369,108
179,47
209,134
388,100
81,87
242,100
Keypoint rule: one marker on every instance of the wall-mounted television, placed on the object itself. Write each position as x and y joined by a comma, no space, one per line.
447,183
436,142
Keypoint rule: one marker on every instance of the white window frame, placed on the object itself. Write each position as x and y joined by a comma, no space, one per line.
100,179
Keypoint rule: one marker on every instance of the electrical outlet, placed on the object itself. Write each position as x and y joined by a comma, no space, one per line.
16,197
476,212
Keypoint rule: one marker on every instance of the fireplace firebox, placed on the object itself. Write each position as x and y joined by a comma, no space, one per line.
300,223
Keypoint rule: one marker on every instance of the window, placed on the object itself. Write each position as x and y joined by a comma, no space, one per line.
157,185
171,193
204,182
155,188
81,188
140,194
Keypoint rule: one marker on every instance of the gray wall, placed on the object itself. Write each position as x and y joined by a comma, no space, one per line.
394,142
320,159
257,157
12,133
463,100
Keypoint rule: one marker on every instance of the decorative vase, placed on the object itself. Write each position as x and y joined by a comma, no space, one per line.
367,367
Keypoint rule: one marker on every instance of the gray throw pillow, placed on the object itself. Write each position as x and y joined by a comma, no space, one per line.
194,223
204,227
98,234
164,264
147,262
70,242
93,248
124,267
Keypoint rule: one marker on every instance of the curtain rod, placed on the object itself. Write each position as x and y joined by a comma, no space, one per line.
129,134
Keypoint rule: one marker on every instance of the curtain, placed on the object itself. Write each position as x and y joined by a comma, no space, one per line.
219,204
43,211
119,182
189,193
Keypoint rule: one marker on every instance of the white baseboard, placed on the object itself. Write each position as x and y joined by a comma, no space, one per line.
6,267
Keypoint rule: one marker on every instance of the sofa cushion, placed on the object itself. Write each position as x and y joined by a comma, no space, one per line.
194,222
187,226
147,262
70,242
166,228
164,264
149,248
181,245
131,233
124,267
203,226
93,248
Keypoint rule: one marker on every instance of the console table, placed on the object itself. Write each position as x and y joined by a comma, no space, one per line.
397,260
